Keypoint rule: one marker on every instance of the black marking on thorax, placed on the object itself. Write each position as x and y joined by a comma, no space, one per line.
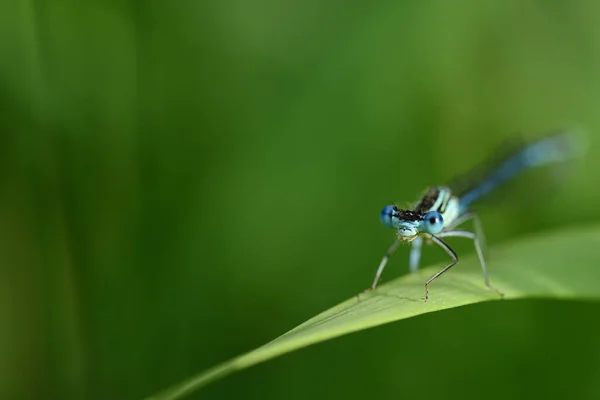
428,200
432,199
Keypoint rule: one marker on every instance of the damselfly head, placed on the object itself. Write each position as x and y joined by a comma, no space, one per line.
405,222
407,230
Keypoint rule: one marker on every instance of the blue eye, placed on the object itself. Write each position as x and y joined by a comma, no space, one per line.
386,216
433,222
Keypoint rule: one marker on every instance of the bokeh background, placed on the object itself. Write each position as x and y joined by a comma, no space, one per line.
183,181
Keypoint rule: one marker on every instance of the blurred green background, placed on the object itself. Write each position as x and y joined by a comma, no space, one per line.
183,181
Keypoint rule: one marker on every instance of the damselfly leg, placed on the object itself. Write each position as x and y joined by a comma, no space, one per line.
452,253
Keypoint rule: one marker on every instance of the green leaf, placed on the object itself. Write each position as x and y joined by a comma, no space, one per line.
563,264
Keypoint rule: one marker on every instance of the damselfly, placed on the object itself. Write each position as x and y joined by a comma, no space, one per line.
441,210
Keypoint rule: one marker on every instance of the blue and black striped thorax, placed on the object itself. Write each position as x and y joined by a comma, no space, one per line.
435,199
439,199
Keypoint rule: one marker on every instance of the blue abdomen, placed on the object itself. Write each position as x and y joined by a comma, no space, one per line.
545,151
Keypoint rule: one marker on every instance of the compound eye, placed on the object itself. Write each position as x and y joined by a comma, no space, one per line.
386,216
433,222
